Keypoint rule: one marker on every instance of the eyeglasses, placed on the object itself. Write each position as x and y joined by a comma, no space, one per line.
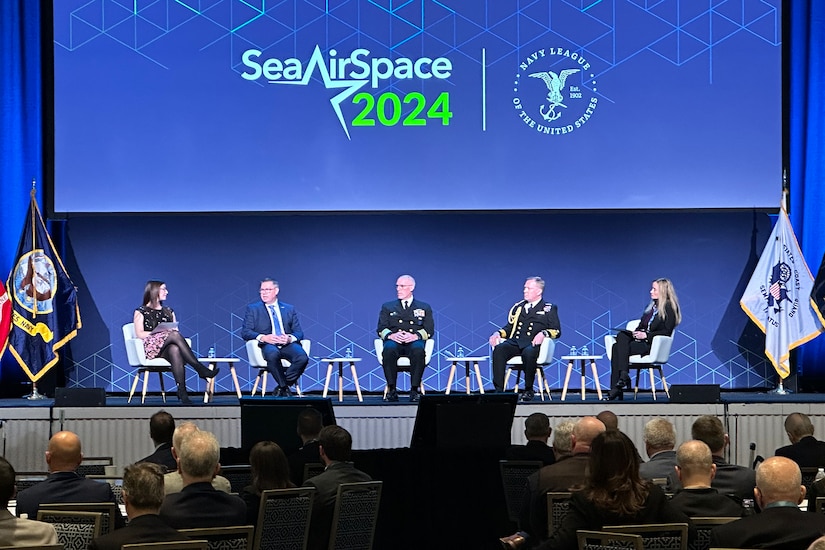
267,290
402,286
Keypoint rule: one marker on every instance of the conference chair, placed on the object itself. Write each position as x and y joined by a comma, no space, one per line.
107,510
239,537
658,356
312,469
514,474
704,525
404,362
600,540
75,530
94,465
36,547
175,545
137,358
283,519
656,536
355,516
257,361
558,503
238,475
548,347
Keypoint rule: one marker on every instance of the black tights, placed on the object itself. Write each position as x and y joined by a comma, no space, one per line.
178,353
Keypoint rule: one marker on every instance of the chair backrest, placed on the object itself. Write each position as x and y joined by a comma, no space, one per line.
239,537
660,348
24,480
94,465
283,519
355,516
176,545
75,530
546,350
808,476
135,353
600,540
558,503
514,474
37,547
429,346
115,482
239,476
819,505
312,469
107,511
656,536
704,525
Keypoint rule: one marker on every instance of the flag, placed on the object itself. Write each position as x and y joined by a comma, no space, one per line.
45,315
778,297
818,293
5,318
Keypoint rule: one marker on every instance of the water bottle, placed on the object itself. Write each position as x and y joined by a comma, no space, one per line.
747,504
348,353
573,350
820,474
584,350
460,354
211,355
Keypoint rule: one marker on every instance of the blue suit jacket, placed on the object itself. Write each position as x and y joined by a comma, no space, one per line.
256,321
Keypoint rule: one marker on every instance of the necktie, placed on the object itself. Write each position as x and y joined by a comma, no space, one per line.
527,308
406,304
276,325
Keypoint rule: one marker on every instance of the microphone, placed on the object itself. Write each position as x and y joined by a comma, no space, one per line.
753,450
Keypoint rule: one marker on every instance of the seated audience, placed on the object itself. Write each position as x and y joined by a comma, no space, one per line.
806,450
537,430
310,423
609,419
142,496
336,448
818,544
16,531
64,484
660,439
270,470
562,440
695,470
173,481
730,479
781,525
161,430
199,504
614,494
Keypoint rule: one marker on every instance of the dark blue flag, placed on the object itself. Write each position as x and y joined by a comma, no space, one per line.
45,315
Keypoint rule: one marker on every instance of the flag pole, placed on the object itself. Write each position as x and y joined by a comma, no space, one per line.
780,389
34,395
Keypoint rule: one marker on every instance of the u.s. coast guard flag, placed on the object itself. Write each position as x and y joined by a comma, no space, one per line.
778,296
44,300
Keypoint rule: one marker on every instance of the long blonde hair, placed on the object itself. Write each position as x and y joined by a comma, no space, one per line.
667,295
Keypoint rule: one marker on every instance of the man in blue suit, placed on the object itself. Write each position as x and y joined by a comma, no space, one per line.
275,326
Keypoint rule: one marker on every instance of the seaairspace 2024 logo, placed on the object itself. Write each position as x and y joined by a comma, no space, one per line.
548,104
350,73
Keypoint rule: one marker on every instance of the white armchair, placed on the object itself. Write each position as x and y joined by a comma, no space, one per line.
136,354
404,362
548,347
256,360
658,356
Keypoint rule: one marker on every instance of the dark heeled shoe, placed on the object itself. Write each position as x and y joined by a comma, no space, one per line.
183,396
206,374
615,394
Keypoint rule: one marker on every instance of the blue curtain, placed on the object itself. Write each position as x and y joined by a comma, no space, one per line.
807,150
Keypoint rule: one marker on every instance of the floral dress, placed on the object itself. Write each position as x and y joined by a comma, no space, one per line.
153,343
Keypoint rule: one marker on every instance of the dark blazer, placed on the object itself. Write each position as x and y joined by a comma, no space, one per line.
661,465
808,452
65,487
416,319
326,485
146,528
201,505
533,450
731,479
706,503
257,321
522,327
162,456
782,528
308,454
566,475
659,326
583,514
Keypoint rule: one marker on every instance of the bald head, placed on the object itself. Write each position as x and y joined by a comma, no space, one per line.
609,419
64,454
777,479
798,425
694,463
584,432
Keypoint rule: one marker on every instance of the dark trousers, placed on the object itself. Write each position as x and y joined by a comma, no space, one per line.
389,360
505,351
293,353
624,347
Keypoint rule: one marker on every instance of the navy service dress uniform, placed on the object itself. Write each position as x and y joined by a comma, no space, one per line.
517,339
417,318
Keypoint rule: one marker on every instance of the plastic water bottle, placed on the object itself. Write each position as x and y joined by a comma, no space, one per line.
460,353
820,474
573,350
348,353
584,350
211,353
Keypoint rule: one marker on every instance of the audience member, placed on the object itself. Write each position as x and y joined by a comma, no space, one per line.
695,470
730,479
16,531
537,430
64,484
336,448
609,419
310,423
173,481
781,525
614,494
161,429
818,544
199,504
270,470
805,449
660,439
817,490
563,440
142,497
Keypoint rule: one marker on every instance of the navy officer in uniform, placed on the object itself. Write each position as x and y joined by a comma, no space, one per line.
404,325
529,322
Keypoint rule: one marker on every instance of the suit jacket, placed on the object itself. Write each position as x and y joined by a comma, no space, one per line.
522,327
533,450
731,479
706,503
782,528
583,514
162,456
24,532
65,487
416,319
256,321
326,485
661,465
142,529
808,452
308,454
659,326
173,483
569,474
201,505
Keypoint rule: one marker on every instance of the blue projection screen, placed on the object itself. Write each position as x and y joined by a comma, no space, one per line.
371,105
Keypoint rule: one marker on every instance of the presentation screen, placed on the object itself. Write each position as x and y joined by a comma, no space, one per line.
391,105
